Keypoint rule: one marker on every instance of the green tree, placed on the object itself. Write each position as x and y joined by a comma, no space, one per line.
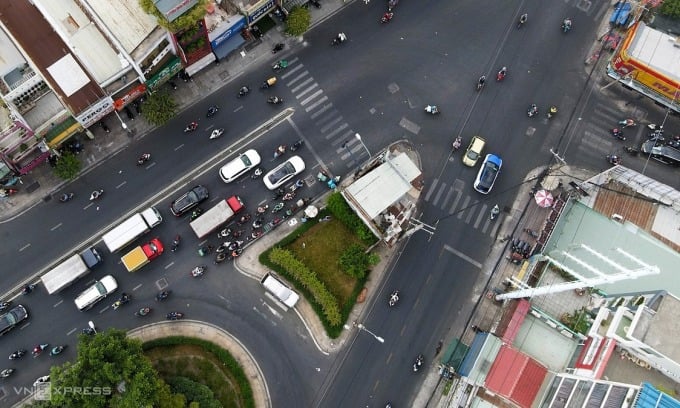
116,374
68,166
159,108
186,21
670,8
298,21
356,262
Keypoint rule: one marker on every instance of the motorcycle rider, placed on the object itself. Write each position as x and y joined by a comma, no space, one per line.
613,159
387,17
495,211
243,91
522,19
502,73
394,298
566,24
66,197
144,158
481,82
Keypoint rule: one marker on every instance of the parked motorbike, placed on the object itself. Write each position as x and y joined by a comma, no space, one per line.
57,350
174,316
394,298
278,47
315,3
143,158
96,194
212,111
104,127
216,133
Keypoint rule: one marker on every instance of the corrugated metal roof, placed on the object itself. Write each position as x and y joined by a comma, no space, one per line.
126,20
650,397
516,376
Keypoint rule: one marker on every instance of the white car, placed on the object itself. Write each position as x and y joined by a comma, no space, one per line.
239,166
98,291
284,172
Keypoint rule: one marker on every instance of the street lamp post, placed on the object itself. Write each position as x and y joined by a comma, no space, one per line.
122,124
358,137
362,327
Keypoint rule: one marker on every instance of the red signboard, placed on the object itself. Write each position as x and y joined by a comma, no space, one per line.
130,96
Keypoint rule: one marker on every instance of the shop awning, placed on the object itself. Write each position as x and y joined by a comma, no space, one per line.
228,46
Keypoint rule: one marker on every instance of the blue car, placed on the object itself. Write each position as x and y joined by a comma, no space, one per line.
488,173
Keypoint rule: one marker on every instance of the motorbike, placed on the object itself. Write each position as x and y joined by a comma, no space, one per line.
457,143
216,133
533,234
268,83
57,350
289,196
244,219
480,82
212,111
617,133
394,298
278,47
6,192
37,350
96,194
243,91
418,363
196,213
552,112
298,184
262,209
234,254
66,197
391,4
124,298
143,311
522,20
27,289
631,150
339,39
282,64
278,207
174,316
162,295
143,158
17,354
613,159
315,3
387,17
220,257
198,271
5,305
432,109
274,100
89,331
280,150
225,233
104,127
175,243
501,74
532,111
627,123
566,25
172,85
6,372
258,223
495,211
297,145
438,349
279,193
191,127
255,235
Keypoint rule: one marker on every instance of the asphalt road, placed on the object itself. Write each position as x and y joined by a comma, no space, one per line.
377,84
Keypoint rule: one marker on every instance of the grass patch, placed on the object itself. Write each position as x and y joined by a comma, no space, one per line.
204,363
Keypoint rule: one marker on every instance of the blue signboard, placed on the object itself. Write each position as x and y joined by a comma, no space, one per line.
259,12
234,29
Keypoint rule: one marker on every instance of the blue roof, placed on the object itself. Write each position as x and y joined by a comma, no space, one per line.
650,397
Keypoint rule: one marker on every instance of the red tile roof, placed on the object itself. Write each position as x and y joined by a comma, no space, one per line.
515,376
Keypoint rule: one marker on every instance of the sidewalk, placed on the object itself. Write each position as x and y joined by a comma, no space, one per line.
41,183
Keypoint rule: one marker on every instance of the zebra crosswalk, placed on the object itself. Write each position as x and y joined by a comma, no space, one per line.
327,120
459,201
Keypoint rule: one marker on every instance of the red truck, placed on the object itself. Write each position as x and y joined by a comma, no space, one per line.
142,255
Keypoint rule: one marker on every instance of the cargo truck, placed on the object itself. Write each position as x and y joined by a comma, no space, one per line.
131,229
142,255
220,214
70,270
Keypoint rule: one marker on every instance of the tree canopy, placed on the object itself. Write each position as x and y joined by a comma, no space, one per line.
110,370
184,22
159,108
68,166
298,21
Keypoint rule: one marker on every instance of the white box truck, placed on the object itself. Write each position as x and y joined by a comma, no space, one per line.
131,229
220,214
70,270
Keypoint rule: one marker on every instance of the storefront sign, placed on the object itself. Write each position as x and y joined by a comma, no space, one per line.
260,11
95,112
129,96
170,69
234,29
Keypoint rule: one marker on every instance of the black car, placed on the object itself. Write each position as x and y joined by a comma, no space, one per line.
189,200
12,318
